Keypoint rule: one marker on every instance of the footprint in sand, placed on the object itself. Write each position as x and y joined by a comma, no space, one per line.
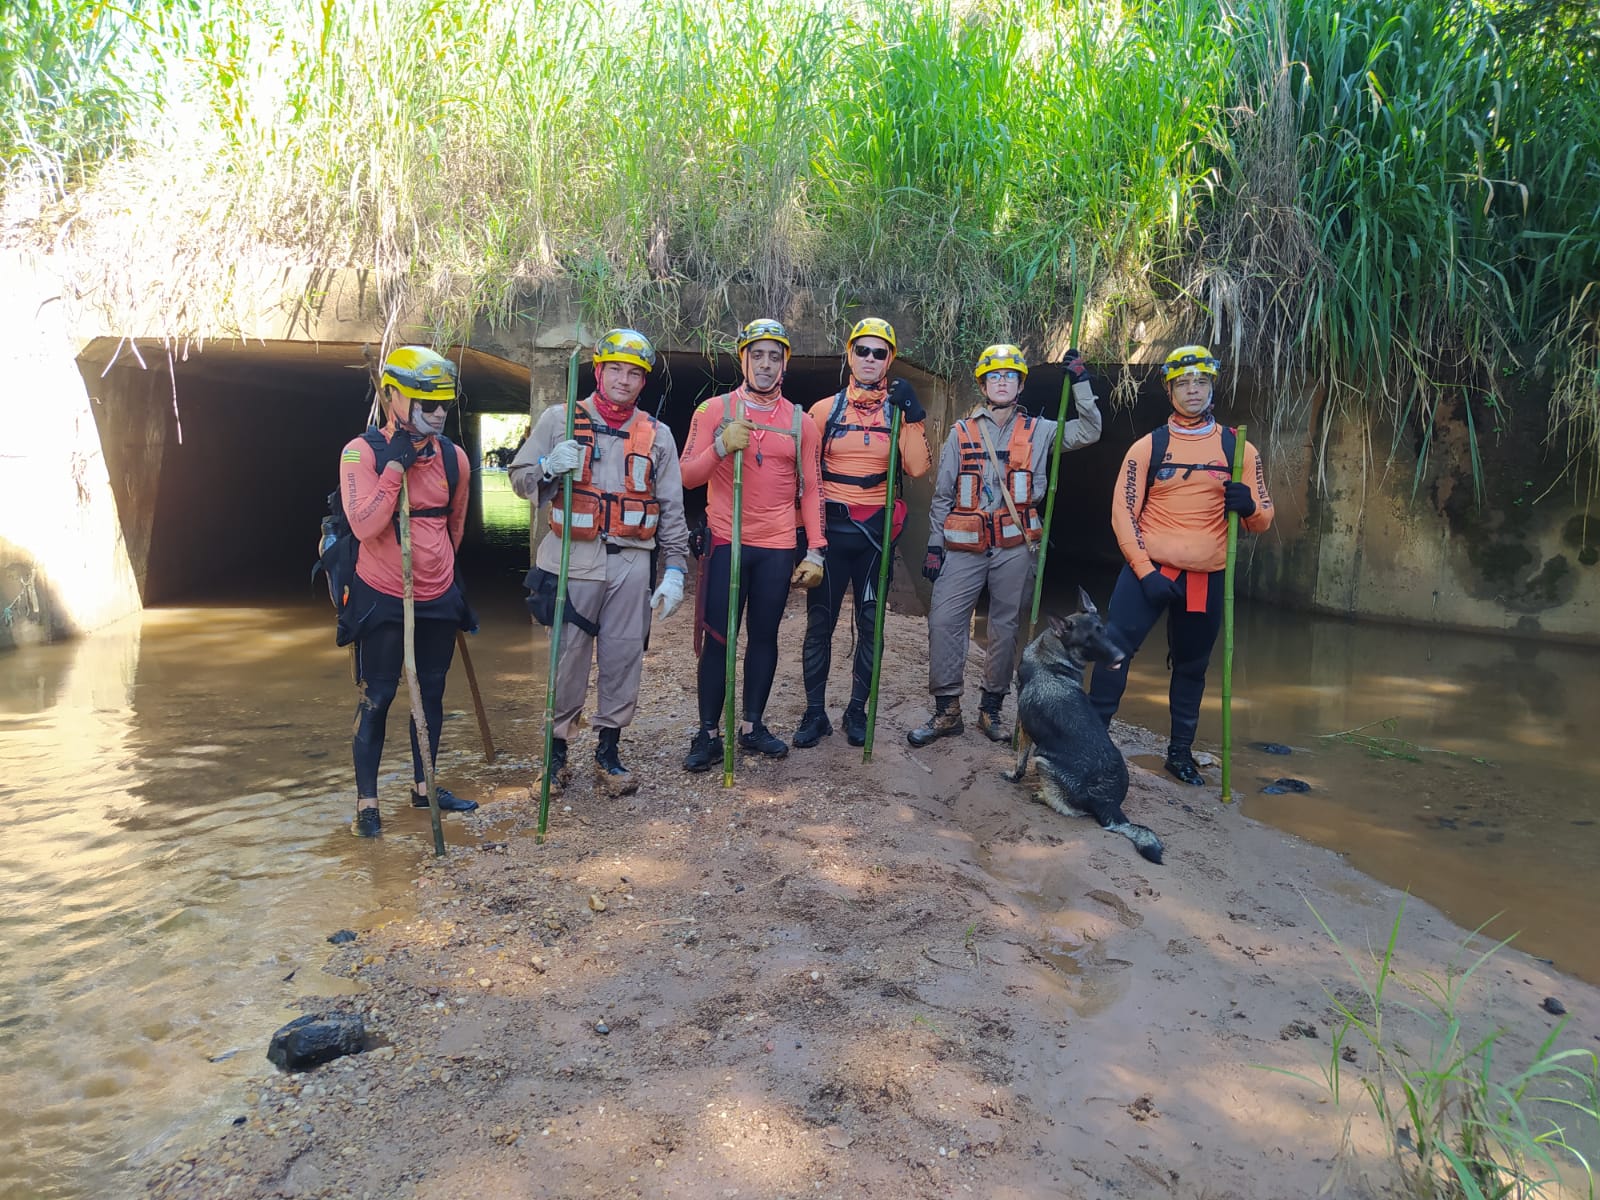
1117,905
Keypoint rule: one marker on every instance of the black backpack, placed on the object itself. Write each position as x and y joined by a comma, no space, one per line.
339,547
1161,438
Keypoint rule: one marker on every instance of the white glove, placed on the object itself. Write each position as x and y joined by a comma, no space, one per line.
669,595
563,457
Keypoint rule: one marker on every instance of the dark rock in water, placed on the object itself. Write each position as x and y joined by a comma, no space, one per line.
1291,785
1554,1007
1273,789
343,936
311,1040
1271,747
1446,823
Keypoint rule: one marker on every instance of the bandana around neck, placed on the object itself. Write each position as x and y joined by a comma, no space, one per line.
867,397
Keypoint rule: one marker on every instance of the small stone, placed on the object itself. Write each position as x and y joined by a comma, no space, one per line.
601,1027
486,983
816,976
343,936
596,904
1554,1007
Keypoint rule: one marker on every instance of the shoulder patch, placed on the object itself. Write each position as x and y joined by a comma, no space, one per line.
351,455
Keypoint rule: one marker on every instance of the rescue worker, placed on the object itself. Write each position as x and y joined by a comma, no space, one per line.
983,531
627,497
854,425
781,471
416,389
1172,524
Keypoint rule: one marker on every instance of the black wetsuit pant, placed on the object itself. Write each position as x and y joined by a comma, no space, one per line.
763,591
380,658
1190,636
851,561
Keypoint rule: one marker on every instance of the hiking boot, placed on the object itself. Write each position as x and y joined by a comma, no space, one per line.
448,801
945,722
814,726
855,724
989,717
368,822
705,750
559,774
1181,766
613,776
761,740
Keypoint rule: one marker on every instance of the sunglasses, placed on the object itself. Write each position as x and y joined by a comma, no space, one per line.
878,352
432,406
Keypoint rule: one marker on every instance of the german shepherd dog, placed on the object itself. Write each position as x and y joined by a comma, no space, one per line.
1081,773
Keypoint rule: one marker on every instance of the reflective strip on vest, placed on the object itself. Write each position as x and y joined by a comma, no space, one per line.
963,537
582,521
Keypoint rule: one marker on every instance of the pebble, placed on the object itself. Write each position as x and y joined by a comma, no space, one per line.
1272,747
816,976
595,903
1554,1007
486,983
343,936
601,1027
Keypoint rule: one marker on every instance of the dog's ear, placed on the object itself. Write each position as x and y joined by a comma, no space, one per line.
1085,604
1057,625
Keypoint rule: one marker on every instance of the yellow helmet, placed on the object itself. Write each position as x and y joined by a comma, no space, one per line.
420,374
763,329
872,327
1190,360
625,346
1002,356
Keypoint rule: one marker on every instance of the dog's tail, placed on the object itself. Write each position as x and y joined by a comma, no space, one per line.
1144,839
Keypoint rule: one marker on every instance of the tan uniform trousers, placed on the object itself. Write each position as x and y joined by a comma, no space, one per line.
1008,574
618,605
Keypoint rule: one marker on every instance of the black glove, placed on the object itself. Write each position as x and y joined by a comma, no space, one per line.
1159,591
1075,366
933,563
1238,498
400,449
904,397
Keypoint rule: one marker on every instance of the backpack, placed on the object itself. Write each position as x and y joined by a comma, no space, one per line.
338,547
1161,438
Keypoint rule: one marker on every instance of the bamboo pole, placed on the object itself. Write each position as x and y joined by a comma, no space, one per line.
882,598
731,650
418,719
560,618
1227,628
477,698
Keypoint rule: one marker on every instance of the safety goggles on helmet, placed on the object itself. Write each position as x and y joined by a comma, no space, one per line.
1001,356
1190,360
763,329
873,327
419,373
878,352
625,346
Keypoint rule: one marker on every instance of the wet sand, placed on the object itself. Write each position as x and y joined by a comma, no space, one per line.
899,979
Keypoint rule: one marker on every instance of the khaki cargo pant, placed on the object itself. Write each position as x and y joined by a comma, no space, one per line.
1008,574
618,606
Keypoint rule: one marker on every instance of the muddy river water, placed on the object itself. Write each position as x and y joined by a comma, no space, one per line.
177,800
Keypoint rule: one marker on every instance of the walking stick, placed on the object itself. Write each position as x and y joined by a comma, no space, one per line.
1227,628
732,649
477,698
418,720
884,551
561,609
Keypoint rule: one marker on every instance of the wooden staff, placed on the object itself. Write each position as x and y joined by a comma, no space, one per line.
561,608
477,698
418,720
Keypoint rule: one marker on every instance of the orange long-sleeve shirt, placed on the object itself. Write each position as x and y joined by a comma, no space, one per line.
864,455
769,480
370,499
1179,521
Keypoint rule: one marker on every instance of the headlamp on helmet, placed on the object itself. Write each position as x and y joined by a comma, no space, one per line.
1002,356
763,329
872,327
625,346
1190,360
419,373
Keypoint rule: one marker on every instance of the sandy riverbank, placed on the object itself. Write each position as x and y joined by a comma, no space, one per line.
902,979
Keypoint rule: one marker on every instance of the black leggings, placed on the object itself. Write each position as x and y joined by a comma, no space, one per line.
851,561
763,592
1190,637
380,658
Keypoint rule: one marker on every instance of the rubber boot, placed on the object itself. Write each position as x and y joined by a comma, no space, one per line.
814,726
615,778
855,723
559,774
945,722
1181,766
989,717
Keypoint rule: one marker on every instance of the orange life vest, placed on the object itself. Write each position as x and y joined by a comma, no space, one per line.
633,513
969,526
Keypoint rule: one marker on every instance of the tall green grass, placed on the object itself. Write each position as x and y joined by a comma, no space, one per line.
1392,204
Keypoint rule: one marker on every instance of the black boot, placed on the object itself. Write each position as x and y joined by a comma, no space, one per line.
989,717
758,739
814,726
703,751
558,764
1181,766
613,776
855,723
945,722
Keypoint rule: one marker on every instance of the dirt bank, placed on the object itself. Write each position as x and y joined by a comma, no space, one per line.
904,979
